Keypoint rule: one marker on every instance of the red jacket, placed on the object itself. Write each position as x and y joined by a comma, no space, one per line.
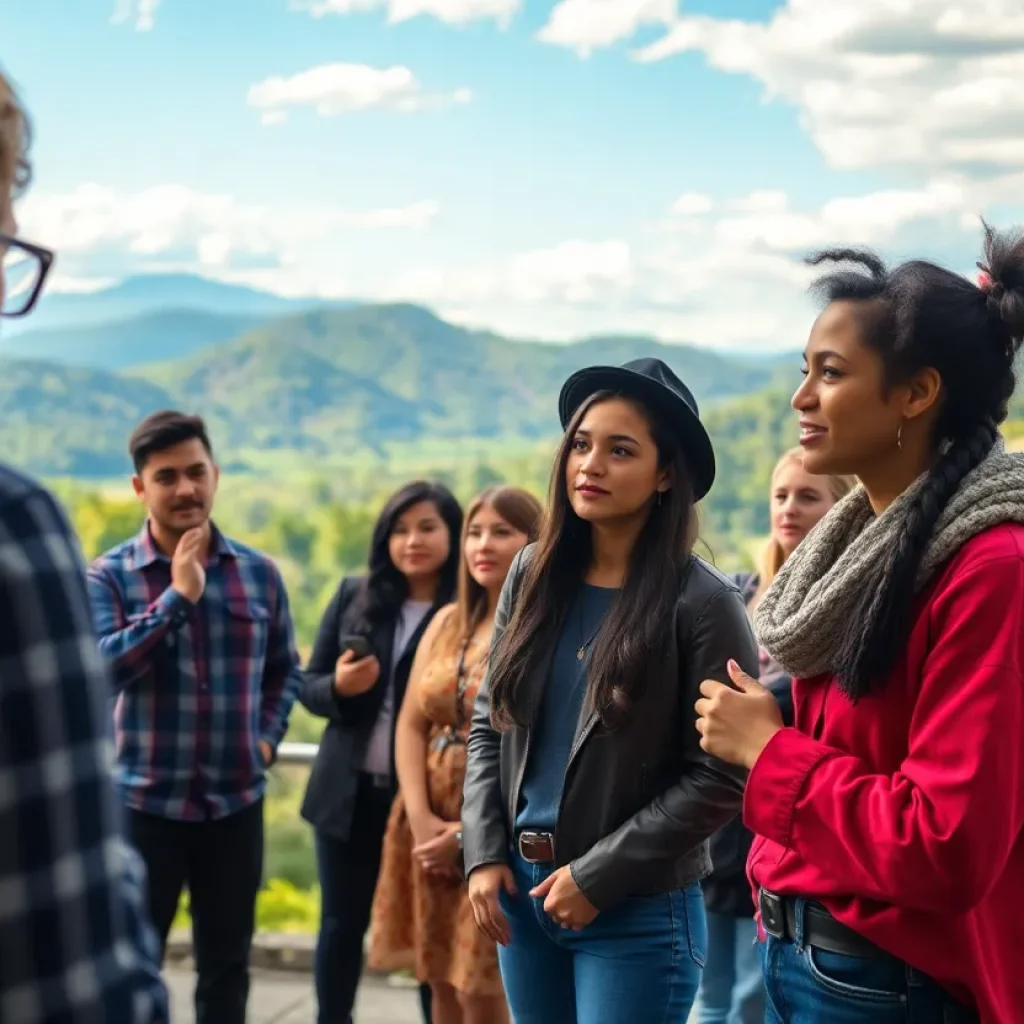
903,814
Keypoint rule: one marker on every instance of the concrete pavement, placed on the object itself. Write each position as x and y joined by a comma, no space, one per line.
286,997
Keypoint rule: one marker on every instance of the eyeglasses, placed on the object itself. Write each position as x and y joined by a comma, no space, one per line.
24,267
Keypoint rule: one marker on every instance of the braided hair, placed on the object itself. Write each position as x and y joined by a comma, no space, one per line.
970,334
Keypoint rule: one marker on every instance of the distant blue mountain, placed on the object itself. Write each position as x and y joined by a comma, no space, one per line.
147,319
155,293
137,341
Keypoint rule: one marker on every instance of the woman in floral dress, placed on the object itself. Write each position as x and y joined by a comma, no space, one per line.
422,919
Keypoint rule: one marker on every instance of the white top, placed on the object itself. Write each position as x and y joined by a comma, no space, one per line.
378,750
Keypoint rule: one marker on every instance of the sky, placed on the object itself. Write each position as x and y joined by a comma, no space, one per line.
545,169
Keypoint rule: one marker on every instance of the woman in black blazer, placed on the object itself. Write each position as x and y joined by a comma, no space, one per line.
356,679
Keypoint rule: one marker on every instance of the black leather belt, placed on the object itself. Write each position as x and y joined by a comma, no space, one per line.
820,929
536,847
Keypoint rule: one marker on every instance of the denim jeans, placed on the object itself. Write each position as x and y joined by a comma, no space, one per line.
809,986
732,989
638,962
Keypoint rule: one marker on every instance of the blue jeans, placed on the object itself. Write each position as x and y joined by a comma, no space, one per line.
809,986
732,989
638,962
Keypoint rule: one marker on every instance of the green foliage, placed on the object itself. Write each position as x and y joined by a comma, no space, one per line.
280,907
749,434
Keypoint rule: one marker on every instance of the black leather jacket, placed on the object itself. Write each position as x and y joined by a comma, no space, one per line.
639,802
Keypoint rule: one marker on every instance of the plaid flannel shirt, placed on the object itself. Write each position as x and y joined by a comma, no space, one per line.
200,685
75,943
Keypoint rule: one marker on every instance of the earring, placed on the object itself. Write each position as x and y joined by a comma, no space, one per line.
658,499
899,437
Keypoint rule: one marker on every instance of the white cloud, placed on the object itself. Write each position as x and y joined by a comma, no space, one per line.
587,25
58,282
334,89
734,278
170,224
451,12
141,12
692,204
761,201
574,272
767,221
925,84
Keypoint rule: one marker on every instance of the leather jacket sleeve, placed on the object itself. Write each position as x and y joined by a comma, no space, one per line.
485,836
710,792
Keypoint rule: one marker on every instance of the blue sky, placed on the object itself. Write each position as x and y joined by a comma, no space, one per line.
545,169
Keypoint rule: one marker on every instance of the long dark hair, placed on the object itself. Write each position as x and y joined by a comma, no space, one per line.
385,587
921,315
641,618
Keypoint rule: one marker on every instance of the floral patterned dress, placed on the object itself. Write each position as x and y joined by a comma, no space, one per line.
421,922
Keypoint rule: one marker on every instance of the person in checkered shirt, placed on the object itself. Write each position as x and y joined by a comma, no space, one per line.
197,631
76,946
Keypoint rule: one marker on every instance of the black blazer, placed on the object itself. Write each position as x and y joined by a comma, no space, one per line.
330,794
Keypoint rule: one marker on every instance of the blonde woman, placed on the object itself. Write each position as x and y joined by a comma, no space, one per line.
422,918
732,989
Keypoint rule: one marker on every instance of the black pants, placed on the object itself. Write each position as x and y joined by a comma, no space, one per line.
348,876
221,864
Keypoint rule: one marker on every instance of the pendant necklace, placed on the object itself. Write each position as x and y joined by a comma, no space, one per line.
586,643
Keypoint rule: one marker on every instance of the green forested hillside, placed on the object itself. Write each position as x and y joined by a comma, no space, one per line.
322,386
63,419
376,374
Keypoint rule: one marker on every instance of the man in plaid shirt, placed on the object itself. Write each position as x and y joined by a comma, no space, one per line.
197,631
75,944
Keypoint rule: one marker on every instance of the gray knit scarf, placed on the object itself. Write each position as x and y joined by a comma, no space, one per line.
809,615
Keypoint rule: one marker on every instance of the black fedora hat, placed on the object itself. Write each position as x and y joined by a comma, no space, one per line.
654,384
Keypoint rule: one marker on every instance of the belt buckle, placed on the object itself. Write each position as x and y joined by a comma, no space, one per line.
537,847
773,916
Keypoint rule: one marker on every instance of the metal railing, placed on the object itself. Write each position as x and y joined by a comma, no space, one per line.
297,753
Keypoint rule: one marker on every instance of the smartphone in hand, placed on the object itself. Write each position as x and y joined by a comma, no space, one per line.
358,645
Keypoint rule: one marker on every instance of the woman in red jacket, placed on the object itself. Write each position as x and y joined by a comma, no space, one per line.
888,866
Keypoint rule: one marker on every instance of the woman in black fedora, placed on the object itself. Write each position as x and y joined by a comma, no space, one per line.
588,801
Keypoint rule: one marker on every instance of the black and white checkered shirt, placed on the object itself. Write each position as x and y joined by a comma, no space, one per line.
75,944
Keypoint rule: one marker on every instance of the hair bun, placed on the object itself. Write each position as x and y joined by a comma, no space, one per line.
1002,280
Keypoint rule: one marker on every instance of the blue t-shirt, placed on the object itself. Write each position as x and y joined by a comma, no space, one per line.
559,713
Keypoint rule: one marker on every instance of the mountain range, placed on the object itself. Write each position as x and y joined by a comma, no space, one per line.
273,374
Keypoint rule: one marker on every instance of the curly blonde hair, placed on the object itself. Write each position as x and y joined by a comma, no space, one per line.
15,169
